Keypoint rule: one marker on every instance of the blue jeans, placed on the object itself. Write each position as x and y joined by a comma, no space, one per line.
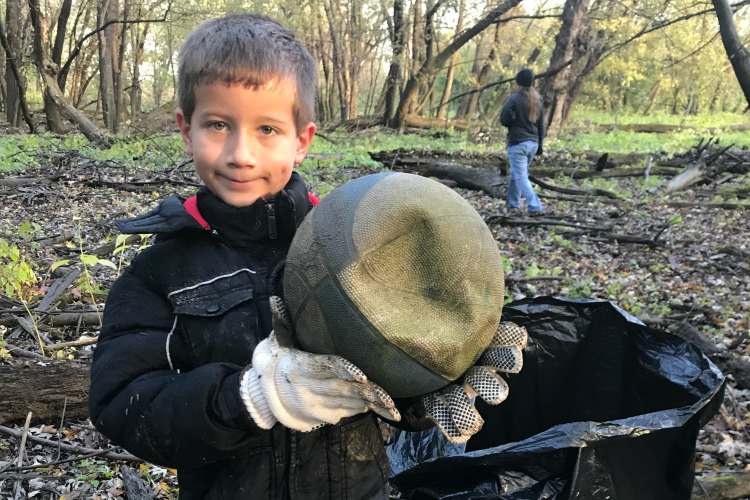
519,158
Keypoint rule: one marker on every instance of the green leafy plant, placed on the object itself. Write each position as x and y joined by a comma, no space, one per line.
94,471
125,241
18,279
86,283
579,289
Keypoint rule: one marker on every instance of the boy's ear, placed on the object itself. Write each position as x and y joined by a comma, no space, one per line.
184,126
303,142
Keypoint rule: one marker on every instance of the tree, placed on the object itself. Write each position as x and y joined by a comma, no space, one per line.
396,32
482,67
571,43
51,111
443,107
15,73
13,57
48,71
432,65
736,50
106,14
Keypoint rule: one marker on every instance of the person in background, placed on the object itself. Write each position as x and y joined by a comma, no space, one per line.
523,114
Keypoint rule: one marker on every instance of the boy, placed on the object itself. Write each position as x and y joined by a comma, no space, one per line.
169,380
187,371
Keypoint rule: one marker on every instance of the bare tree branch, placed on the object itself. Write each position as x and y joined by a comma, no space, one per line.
79,45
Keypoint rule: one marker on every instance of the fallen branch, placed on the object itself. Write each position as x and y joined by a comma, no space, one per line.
112,455
526,279
725,206
24,181
584,192
23,353
73,343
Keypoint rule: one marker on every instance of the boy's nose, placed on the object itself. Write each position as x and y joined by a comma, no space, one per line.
240,151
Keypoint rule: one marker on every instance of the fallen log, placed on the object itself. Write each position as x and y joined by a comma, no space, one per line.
724,487
44,388
485,180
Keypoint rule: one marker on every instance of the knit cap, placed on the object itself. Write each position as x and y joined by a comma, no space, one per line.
525,77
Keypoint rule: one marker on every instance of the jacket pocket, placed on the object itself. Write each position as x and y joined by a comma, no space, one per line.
218,318
215,296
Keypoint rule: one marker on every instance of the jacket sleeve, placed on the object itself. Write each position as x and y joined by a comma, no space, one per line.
142,403
508,113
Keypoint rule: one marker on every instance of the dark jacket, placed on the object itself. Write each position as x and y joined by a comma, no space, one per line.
515,116
180,324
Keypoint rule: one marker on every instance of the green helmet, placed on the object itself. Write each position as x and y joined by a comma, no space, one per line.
400,275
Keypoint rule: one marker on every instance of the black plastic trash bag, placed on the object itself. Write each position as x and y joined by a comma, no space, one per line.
604,408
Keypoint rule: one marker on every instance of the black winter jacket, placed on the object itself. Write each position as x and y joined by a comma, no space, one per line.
180,324
515,116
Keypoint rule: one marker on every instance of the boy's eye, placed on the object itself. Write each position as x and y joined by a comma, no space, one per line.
219,126
266,130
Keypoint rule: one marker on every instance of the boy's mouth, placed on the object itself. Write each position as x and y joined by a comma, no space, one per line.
237,181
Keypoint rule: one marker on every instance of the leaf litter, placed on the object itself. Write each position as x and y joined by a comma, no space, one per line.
695,272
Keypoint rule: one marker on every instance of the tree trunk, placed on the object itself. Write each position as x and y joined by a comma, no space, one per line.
15,73
653,93
13,55
325,104
484,75
436,63
136,92
52,113
339,58
120,44
443,107
106,12
571,43
397,32
736,50
3,95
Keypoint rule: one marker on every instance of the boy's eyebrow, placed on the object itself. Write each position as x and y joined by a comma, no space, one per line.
264,118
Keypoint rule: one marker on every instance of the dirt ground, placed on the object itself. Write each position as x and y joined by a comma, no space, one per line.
696,272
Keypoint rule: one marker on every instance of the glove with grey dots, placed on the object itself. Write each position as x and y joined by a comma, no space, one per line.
452,407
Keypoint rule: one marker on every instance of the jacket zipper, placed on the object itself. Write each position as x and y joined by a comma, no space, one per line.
272,232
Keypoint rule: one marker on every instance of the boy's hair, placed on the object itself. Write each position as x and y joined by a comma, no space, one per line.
249,50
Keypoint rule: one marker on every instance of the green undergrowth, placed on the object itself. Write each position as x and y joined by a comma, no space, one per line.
21,151
341,149
621,141
583,132
582,115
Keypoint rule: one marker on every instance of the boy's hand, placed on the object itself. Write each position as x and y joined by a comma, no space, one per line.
452,408
305,391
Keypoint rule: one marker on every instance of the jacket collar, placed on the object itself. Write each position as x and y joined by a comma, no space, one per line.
275,220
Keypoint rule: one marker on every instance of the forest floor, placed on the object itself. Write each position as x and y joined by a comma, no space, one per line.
694,273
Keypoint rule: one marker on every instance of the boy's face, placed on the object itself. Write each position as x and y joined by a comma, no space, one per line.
243,141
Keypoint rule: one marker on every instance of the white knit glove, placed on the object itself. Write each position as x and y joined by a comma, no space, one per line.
305,391
452,409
